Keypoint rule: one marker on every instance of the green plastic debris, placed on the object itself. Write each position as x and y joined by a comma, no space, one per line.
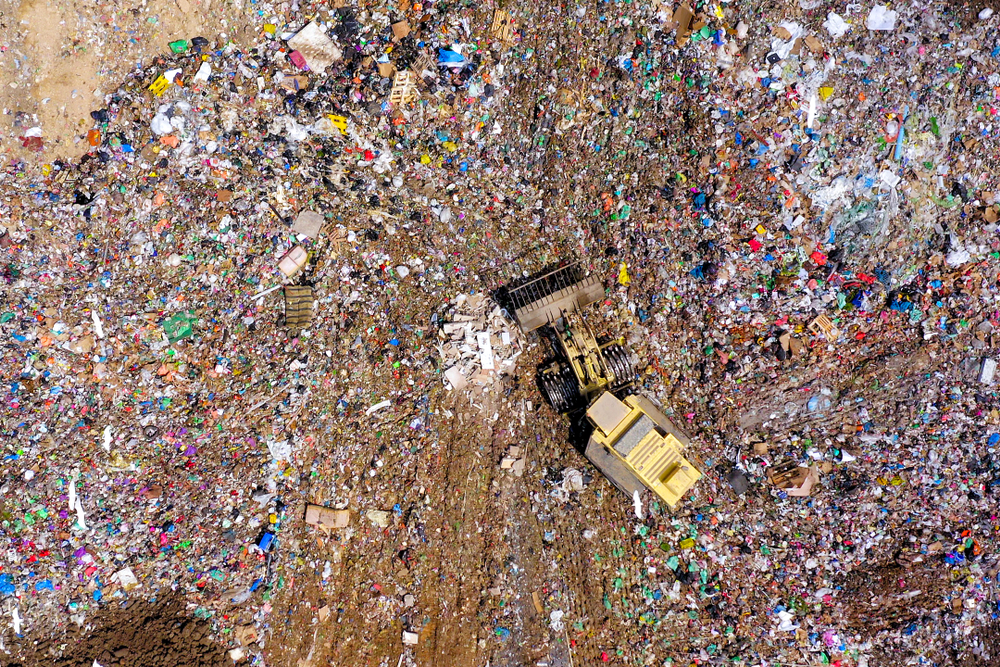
179,326
180,46
948,202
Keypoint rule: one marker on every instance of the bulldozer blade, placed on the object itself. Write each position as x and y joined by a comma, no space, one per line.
543,299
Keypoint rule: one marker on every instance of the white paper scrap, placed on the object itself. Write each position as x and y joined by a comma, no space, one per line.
485,350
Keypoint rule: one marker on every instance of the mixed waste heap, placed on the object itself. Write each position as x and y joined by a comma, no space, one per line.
261,384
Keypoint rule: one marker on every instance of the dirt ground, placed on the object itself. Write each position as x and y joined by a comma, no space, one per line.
473,575
144,634
58,59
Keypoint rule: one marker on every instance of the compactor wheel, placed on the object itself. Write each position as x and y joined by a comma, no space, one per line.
560,389
570,387
614,360
552,384
624,373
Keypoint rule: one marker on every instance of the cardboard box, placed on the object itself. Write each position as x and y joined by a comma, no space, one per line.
794,480
317,515
385,70
294,261
400,29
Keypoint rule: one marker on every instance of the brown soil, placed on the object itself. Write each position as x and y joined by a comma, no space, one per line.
58,60
876,601
145,634
981,648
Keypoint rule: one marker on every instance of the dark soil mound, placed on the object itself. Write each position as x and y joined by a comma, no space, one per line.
144,634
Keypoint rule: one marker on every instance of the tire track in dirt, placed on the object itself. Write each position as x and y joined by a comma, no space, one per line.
468,544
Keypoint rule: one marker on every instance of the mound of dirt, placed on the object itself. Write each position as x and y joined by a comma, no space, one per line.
145,634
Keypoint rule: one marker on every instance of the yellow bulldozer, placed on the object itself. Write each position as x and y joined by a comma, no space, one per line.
632,443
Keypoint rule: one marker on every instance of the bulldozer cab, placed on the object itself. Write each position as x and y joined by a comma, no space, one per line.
634,445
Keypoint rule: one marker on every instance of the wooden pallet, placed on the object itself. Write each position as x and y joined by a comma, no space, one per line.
404,89
298,306
824,325
502,28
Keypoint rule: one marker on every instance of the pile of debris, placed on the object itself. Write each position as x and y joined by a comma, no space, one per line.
480,342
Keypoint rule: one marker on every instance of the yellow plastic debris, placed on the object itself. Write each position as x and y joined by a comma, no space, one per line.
339,122
825,92
623,278
160,85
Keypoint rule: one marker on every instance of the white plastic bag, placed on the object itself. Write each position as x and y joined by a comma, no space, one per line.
161,124
835,25
881,18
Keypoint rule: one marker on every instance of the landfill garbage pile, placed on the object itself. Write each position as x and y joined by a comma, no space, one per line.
226,367
481,343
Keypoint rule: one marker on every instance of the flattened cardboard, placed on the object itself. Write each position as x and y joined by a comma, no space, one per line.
317,515
308,223
316,47
813,43
400,29
682,17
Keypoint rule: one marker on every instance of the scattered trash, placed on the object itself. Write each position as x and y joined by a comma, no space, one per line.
778,246
480,345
